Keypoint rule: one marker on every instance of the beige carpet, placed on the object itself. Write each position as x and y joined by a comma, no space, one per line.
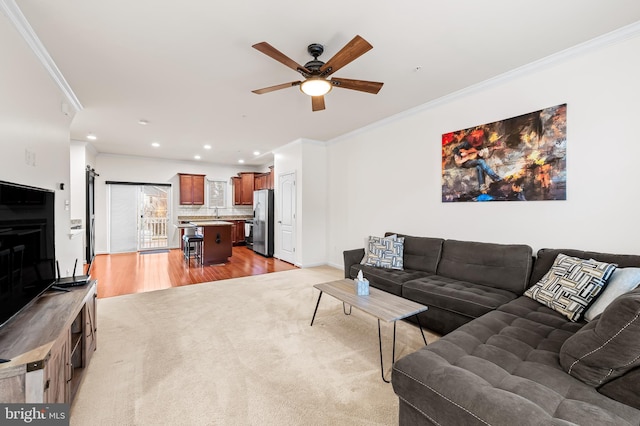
239,352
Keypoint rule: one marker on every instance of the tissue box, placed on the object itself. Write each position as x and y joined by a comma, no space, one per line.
362,287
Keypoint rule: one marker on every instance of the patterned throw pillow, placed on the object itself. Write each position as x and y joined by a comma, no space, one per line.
571,284
385,252
365,258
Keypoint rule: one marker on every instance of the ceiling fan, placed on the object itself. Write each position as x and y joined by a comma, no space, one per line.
316,72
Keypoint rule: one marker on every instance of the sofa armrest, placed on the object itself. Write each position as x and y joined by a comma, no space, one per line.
351,257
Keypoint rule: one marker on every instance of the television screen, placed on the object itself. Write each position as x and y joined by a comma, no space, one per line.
27,246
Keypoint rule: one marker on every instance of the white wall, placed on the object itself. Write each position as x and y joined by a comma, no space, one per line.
313,203
388,177
78,187
288,159
31,119
150,170
308,160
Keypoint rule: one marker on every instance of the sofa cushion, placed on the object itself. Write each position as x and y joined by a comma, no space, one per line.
503,369
421,253
503,266
385,252
545,258
625,388
571,284
389,280
539,314
622,281
464,298
608,346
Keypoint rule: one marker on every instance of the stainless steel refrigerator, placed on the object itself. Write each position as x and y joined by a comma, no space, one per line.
263,222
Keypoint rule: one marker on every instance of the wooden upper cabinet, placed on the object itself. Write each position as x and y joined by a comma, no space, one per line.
264,180
246,182
270,178
191,189
247,188
237,190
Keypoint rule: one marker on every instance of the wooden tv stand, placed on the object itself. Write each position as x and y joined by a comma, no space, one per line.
49,344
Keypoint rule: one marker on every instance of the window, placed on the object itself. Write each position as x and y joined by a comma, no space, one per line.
217,192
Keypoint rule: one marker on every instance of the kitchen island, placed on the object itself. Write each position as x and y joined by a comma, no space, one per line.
217,240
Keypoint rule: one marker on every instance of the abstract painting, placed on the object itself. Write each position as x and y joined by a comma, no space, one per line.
521,158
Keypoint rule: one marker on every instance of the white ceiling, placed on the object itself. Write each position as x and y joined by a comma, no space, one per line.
188,67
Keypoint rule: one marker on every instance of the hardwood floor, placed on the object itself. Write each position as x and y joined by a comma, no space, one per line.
127,273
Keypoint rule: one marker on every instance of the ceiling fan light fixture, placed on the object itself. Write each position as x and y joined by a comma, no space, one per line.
316,86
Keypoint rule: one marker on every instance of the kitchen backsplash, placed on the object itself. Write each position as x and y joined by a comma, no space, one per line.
206,211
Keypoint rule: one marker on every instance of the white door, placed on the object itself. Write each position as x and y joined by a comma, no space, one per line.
287,222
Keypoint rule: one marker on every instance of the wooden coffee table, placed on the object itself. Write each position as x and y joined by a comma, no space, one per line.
380,304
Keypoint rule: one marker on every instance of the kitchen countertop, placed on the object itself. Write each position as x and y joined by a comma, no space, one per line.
211,223
225,217
197,223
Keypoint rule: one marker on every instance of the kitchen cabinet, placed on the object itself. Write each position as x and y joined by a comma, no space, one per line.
247,188
246,182
217,240
191,189
264,180
243,187
237,232
237,190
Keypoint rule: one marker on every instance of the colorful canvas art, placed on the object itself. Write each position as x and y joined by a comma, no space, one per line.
518,159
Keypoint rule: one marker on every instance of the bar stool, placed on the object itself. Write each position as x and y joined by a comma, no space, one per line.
193,246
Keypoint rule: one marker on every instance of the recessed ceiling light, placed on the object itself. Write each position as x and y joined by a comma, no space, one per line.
256,152
207,147
155,144
92,137
240,161
197,157
143,122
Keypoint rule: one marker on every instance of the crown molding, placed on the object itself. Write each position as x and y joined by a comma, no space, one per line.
13,12
616,36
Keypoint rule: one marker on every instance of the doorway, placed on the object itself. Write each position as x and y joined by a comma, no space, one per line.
287,221
154,217
139,216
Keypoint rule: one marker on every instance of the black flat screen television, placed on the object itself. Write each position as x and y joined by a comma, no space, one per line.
27,246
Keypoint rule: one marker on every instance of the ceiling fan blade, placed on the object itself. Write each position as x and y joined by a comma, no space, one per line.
361,85
317,103
351,51
277,87
274,53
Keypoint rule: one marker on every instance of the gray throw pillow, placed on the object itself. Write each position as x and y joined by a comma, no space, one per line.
622,280
608,346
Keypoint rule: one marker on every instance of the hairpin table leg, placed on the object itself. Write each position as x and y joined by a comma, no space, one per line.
344,309
316,310
421,330
393,357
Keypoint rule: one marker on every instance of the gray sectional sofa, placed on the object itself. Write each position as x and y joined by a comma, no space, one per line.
458,280
506,359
